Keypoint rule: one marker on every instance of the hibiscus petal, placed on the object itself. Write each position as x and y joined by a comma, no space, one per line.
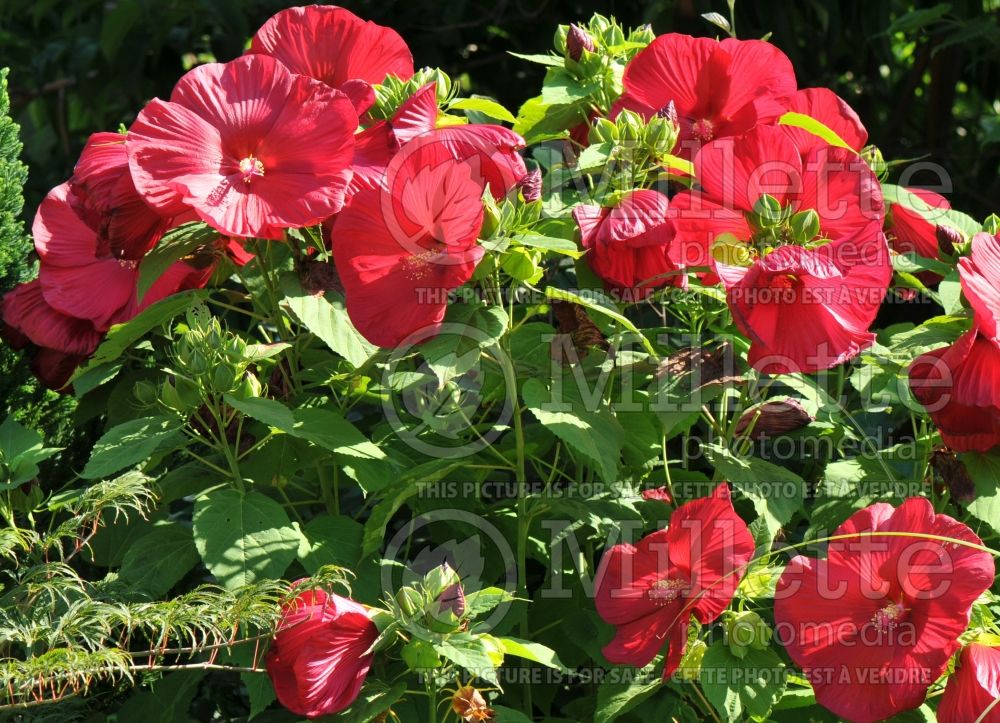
62,236
737,172
832,111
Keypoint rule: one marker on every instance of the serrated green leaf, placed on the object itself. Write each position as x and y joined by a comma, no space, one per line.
243,537
129,443
159,559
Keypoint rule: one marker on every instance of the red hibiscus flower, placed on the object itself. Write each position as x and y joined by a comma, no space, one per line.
335,46
401,247
628,244
832,111
980,276
650,590
252,148
820,263
61,342
959,385
874,624
319,657
974,688
718,89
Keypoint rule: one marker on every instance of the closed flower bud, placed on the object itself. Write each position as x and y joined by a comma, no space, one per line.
992,224
948,238
578,40
805,225
223,379
531,186
410,601
768,210
873,157
747,630
603,131
690,666
772,419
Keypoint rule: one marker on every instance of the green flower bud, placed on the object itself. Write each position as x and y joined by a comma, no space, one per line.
747,630
992,224
630,125
197,363
660,135
873,157
145,393
603,131
559,39
768,211
805,225
223,379
410,601
690,665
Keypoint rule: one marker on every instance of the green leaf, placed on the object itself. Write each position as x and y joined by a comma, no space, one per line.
269,411
331,540
322,427
596,436
160,558
777,493
984,469
549,243
325,315
509,715
243,537
122,336
374,700
167,700
486,106
331,431
129,443
535,652
808,123
482,601
917,19
594,157
616,698
748,686
175,245
538,121
551,60
469,652
561,88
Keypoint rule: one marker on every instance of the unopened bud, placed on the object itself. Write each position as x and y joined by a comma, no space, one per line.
669,111
531,186
657,493
948,237
578,40
772,418
992,224
690,665
747,630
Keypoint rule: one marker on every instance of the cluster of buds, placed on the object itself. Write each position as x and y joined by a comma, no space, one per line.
656,138
207,361
393,92
578,43
435,604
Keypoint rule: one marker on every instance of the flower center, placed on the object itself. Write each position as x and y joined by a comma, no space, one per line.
251,167
703,130
418,266
666,591
888,618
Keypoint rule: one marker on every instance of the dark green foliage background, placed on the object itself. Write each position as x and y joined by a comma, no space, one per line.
924,90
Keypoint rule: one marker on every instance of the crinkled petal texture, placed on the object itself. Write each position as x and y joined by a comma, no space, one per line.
319,658
718,88
832,111
252,148
399,252
874,625
959,385
335,46
810,309
974,688
650,590
629,244
980,277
